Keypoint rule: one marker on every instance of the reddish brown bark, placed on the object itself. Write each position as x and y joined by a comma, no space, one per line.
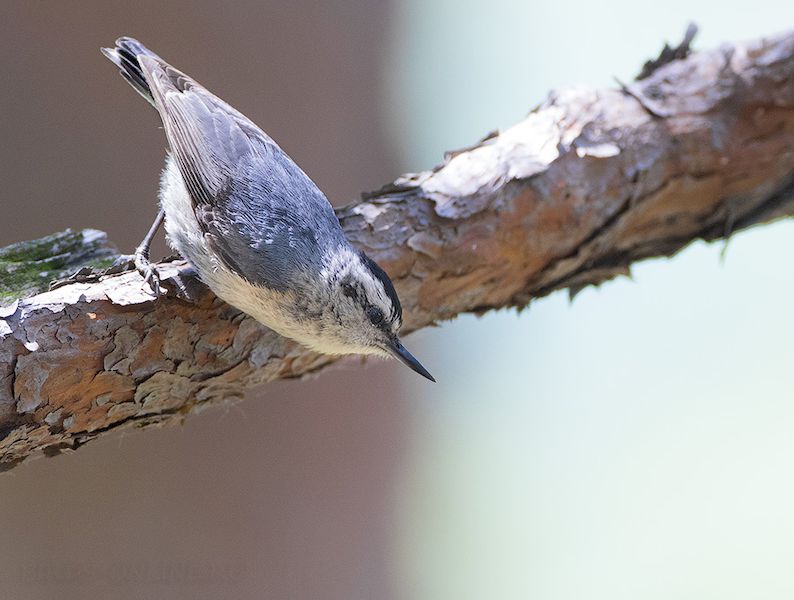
590,182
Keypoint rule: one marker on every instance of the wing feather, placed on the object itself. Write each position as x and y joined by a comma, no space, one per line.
254,204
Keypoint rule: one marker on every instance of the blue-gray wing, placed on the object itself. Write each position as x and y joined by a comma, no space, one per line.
263,216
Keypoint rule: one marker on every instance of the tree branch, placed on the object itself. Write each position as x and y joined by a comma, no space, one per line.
589,182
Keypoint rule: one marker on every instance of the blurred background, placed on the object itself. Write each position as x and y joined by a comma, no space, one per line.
634,444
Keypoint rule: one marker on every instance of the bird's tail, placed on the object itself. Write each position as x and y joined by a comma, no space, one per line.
125,57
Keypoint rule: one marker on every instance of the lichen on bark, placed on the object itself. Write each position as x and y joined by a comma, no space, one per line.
28,267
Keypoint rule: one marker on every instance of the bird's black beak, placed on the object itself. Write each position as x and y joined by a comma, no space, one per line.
399,352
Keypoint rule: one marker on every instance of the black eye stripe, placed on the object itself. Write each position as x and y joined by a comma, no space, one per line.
375,315
348,290
388,287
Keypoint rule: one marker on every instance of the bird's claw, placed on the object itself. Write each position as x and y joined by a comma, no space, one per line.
139,262
148,272
123,263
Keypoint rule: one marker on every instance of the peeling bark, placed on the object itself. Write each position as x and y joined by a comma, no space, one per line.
589,182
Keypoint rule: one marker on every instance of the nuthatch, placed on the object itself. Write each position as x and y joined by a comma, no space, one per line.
258,231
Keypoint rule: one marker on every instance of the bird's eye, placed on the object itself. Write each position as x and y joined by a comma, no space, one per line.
348,290
375,315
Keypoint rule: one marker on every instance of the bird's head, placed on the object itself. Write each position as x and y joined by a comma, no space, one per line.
366,310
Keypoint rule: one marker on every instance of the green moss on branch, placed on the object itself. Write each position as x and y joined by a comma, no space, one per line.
28,267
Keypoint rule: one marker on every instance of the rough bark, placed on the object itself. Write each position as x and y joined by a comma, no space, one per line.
589,182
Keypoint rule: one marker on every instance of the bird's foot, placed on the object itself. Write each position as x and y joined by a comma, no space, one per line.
139,262
148,272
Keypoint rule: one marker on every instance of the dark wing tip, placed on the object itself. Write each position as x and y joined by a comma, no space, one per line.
132,46
127,57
